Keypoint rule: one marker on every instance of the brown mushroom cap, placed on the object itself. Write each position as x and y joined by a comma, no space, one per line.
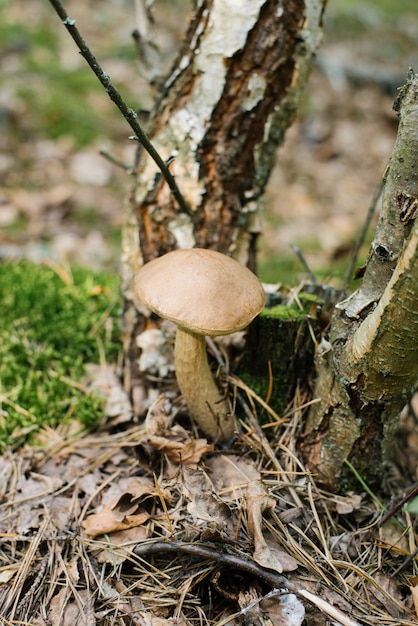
201,290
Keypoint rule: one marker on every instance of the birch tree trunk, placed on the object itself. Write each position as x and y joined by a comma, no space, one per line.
368,370
223,110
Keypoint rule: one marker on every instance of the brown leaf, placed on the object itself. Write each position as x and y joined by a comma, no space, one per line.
387,591
288,563
124,512
61,511
172,440
231,475
258,501
124,541
188,453
137,492
108,521
414,593
204,505
158,421
283,610
394,538
348,504
67,612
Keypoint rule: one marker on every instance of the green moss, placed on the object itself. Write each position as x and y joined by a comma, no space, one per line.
310,298
284,312
293,311
49,328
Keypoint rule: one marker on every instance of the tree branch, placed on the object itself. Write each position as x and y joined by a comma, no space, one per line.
235,562
129,114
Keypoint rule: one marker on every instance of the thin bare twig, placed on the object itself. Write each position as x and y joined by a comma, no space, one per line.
396,507
232,561
129,114
362,237
304,262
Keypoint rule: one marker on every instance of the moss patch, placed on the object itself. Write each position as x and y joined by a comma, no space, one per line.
51,325
284,312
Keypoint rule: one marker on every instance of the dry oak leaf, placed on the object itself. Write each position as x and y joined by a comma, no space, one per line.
171,439
126,511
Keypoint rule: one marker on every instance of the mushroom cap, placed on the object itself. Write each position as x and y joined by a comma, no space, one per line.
201,291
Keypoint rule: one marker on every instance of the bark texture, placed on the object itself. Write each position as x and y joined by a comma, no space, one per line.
369,369
223,110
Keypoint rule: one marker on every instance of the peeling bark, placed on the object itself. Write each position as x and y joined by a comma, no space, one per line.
223,110
371,371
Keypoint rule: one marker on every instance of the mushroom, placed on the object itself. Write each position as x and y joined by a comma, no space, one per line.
204,293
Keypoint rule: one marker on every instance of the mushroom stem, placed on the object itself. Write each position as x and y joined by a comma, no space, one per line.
207,406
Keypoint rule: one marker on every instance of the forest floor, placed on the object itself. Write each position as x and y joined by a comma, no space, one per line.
123,526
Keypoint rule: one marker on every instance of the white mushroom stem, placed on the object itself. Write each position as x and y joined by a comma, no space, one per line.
207,406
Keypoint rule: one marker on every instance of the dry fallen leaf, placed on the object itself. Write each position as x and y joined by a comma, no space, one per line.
393,538
67,611
283,610
347,504
274,609
258,501
188,453
204,505
389,594
288,563
108,521
171,439
231,474
121,544
103,380
7,574
158,421
126,511
414,593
